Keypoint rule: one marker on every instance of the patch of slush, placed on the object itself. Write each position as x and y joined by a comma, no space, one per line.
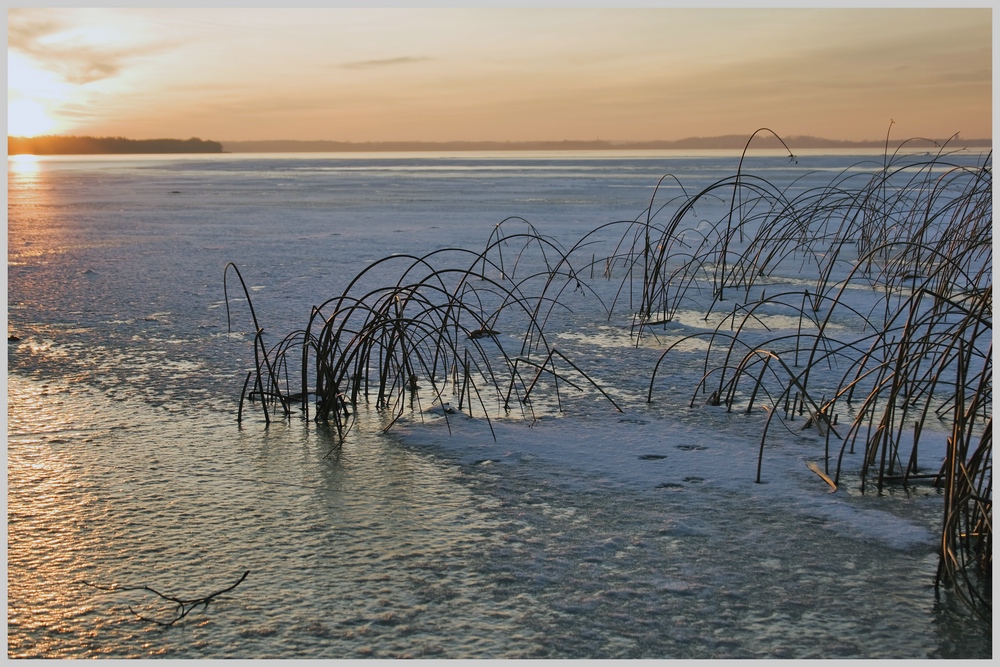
646,454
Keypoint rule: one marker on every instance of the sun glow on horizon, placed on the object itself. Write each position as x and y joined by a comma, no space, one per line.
31,95
28,118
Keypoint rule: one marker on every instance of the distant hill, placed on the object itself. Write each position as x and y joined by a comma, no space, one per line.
56,145
733,141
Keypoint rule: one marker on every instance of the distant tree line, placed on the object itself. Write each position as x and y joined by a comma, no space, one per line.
57,145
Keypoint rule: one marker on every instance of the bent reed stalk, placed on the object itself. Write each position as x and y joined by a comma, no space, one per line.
862,305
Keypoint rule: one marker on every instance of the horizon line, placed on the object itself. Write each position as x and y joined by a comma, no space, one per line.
73,144
743,138
697,138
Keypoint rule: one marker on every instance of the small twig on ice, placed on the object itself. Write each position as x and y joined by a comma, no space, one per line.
184,607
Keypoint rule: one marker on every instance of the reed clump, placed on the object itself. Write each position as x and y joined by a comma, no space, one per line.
857,307
889,327
471,338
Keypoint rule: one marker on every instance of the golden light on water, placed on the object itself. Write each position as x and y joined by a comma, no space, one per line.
24,173
23,164
46,522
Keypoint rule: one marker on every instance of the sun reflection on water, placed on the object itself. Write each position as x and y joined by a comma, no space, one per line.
48,521
371,540
23,167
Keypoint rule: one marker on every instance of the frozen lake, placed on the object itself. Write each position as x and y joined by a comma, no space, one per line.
578,531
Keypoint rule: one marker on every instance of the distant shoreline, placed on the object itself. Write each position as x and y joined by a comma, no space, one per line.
728,142
59,145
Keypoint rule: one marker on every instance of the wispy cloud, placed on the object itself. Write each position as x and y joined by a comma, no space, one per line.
23,29
385,62
63,48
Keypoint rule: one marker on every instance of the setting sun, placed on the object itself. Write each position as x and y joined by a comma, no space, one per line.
27,118
31,94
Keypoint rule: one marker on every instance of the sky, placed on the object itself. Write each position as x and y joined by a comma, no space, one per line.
500,74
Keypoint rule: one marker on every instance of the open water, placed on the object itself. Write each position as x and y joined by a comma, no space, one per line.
127,468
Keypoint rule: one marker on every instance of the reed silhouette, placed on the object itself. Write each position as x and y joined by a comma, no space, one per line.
882,343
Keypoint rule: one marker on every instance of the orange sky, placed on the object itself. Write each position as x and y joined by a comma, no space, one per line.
498,74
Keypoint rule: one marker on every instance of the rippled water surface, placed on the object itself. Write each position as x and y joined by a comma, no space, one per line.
126,467
363,550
